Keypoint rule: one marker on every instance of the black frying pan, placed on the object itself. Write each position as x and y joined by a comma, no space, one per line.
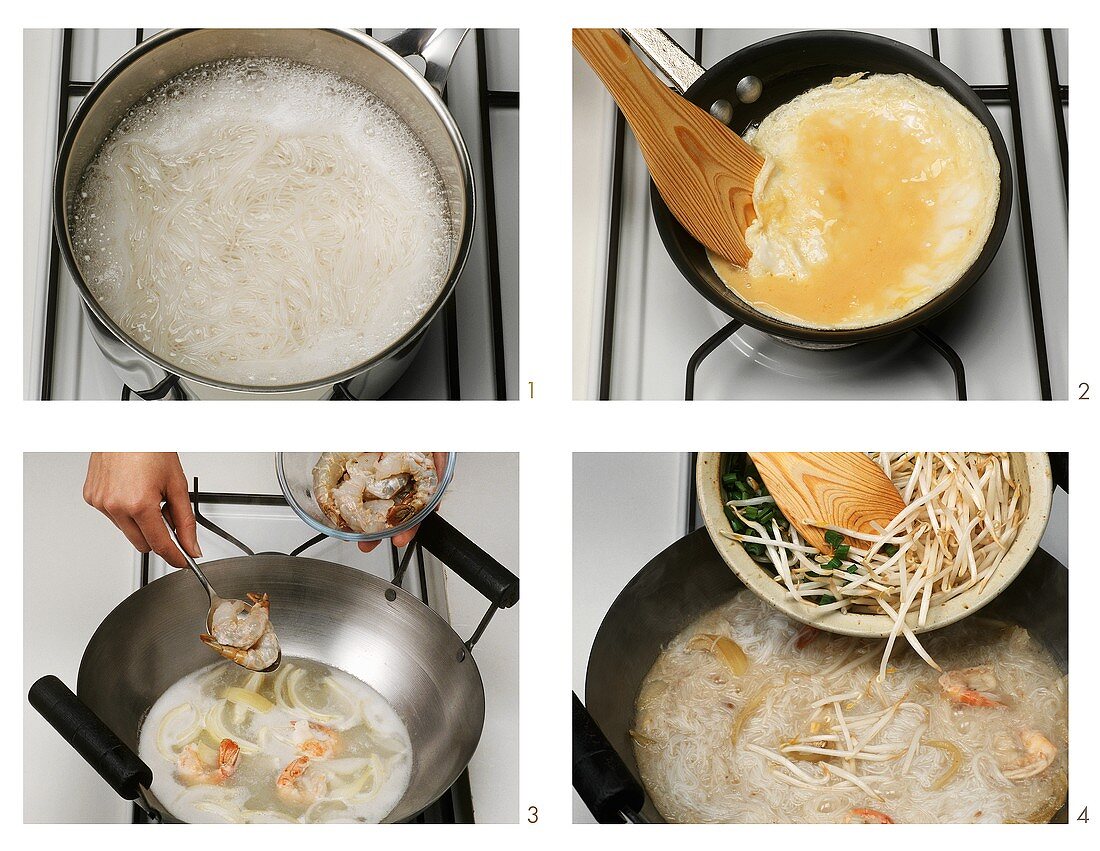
787,66
678,586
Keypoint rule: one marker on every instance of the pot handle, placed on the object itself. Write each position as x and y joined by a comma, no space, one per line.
90,737
603,781
492,579
436,47
671,59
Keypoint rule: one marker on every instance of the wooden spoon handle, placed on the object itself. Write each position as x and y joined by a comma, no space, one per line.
704,171
844,489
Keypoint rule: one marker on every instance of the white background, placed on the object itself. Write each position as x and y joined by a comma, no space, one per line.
547,429
72,581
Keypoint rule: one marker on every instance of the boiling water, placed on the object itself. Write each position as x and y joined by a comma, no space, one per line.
262,222
364,777
691,707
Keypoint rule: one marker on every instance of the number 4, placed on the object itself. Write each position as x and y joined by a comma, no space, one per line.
1084,815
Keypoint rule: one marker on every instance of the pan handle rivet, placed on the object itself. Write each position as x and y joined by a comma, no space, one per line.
391,595
461,655
722,110
749,89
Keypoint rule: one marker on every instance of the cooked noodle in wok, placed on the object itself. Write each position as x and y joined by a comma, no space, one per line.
748,716
309,744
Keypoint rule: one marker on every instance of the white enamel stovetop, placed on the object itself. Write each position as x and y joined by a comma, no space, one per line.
72,581
81,372
660,319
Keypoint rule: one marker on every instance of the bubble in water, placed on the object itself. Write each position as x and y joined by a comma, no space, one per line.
186,121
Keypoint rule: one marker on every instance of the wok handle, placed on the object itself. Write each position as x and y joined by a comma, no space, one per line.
1059,468
492,579
669,58
436,47
90,737
604,783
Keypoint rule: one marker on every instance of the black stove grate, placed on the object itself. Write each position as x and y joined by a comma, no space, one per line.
456,805
1007,95
488,101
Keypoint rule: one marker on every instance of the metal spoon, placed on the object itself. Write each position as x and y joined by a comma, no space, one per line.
215,600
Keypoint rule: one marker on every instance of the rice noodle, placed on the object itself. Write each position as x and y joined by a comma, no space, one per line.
263,222
797,737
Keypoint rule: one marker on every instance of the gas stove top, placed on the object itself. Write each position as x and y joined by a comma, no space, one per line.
645,334
471,351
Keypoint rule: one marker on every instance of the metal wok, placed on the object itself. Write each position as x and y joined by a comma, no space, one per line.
745,87
335,614
678,586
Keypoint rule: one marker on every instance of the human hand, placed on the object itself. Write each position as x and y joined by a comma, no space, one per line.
406,537
129,487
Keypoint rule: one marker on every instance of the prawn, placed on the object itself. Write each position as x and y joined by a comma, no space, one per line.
357,511
1029,755
371,491
314,740
258,657
238,641
862,815
423,481
235,624
328,472
972,687
298,783
192,769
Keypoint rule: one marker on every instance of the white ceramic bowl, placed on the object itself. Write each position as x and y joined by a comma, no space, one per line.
1030,469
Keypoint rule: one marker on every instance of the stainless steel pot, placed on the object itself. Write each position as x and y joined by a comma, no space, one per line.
334,614
380,67
678,586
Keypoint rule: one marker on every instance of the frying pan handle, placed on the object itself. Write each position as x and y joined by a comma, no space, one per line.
604,783
671,59
492,579
1059,468
436,47
90,737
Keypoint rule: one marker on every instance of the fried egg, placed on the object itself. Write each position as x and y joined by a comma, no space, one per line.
877,194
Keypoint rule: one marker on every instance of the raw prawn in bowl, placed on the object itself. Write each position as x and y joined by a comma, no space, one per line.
363,496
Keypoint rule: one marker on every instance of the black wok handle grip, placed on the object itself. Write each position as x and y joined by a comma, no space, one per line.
492,579
1059,468
600,777
90,737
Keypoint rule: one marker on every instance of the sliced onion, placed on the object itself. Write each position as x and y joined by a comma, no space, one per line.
296,700
372,775
168,746
227,815
250,699
215,724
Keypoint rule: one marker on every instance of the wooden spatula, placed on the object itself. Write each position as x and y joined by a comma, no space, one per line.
844,489
704,171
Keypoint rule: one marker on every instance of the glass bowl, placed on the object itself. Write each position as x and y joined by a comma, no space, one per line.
295,472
